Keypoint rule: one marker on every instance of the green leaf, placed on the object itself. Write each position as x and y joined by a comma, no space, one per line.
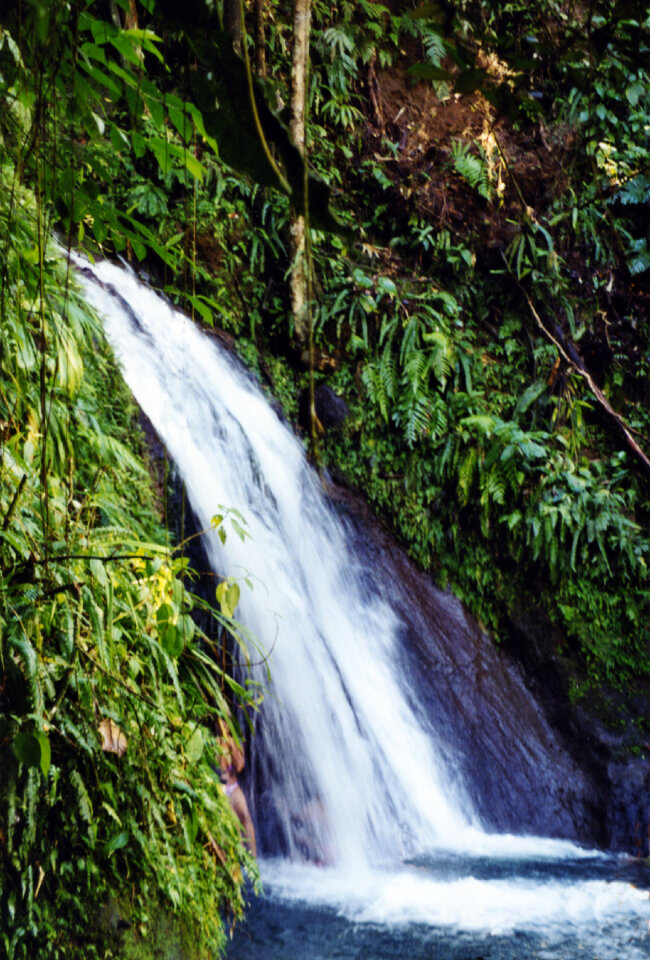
172,641
46,753
239,529
98,570
634,93
148,39
192,823
529,397
125,45
386,285
361,278
185,627
164,614
139,144
232,596
164,151
204,311
102,79
222,599
117,842
195,746
100,229
119,139
27,749
181,121
19,544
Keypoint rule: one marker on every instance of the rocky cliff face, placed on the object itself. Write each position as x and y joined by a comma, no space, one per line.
530,761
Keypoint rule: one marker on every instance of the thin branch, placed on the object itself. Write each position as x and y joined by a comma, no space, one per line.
62,557
118,680
256,117
601,399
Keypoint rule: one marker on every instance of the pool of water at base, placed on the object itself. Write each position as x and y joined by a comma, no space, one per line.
452,908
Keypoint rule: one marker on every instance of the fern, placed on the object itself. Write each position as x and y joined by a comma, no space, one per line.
414,371
29,808
410,338
512,476
439,424
466,472
388,373
414,416
84,803
635,191
493,486
472,169
373,383
339,41
441,356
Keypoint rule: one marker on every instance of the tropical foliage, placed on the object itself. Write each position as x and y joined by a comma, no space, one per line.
484,317
111,816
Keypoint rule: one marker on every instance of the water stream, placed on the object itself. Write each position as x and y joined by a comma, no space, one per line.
369,836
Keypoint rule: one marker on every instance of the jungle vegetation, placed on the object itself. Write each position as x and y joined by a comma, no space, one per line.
474,188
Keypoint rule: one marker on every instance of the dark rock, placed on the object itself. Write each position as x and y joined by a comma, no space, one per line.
528,759
331,410
628,814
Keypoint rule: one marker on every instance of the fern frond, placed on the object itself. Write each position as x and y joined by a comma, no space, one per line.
441,356
414,417
511,475
30,798
10,816
388,373
410,338
466,472
439,423
414,371
493,486
84,804
374,384
472,169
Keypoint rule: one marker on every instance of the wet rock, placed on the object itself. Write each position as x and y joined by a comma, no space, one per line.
331,410
628,814
528,759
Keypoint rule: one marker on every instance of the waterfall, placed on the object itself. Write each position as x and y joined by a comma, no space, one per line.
348,771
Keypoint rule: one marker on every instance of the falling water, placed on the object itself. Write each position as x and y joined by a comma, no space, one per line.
350,774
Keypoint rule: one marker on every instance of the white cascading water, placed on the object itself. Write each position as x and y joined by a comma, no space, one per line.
355,762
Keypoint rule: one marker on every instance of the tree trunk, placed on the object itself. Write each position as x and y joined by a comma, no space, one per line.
232,22
260,37
299,64
131,19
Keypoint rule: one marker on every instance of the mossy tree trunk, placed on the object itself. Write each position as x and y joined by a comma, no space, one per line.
259,14
299,71
232,21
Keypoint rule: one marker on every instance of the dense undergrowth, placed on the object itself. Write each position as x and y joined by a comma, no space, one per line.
484,314
490,447
113,825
